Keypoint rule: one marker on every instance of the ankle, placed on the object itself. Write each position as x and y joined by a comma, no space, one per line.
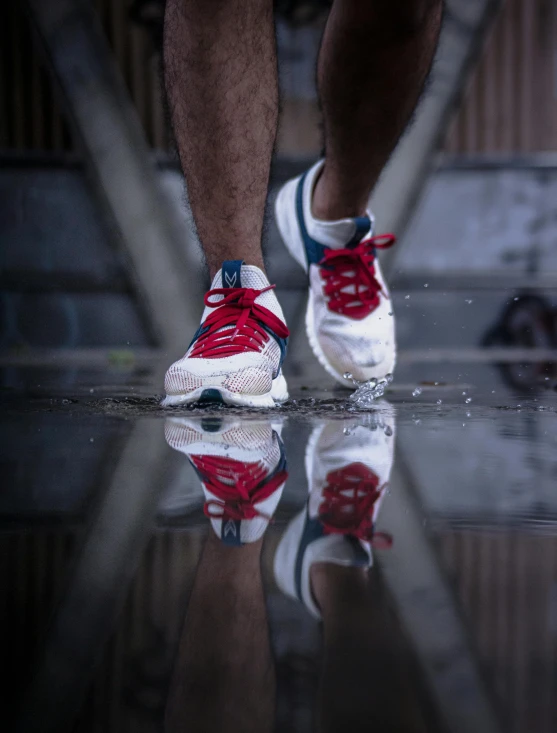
331,201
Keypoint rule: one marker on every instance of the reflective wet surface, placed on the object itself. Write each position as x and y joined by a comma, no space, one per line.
332,565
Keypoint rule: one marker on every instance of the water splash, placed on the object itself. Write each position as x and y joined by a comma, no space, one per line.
368,392
417,392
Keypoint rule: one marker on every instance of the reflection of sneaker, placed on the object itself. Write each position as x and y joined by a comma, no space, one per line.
242,469
349,318
348,468
236,354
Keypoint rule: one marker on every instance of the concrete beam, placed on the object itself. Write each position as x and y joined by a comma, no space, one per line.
164,266
96,589
427,608
465,26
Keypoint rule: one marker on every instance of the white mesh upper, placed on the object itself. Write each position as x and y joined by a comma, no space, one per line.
245,373
338,444
253,381
350,345
365,348
246,442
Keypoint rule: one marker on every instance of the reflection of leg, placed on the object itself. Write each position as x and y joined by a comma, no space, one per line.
224,675
364,684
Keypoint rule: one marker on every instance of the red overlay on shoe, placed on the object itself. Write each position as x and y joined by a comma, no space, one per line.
349,274
348,502
242,320
238,486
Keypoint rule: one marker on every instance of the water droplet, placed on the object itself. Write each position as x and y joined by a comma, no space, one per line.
469,301
416,392
417,421
91,440
391,313
426,285
439,402
468,414
406,297
388,431
368,392
468,400
464,393
348,375
516,299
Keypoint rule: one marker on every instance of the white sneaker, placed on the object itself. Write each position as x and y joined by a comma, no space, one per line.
348,468
349,318
242,469
236,354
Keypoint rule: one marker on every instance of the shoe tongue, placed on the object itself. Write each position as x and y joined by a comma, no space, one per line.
234,274
362,226
231,274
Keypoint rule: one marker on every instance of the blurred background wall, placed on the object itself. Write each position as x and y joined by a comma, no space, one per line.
486,219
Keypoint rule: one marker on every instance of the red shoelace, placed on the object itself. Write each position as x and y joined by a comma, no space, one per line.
236,500
350,286
241,318
347,506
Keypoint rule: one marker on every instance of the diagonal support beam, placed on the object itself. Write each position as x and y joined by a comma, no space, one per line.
96,589
427,609
465,26
164,264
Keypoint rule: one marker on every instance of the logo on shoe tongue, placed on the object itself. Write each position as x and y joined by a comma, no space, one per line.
229,528
232,273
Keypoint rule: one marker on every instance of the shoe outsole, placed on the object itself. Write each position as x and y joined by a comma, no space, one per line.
310,331
222,396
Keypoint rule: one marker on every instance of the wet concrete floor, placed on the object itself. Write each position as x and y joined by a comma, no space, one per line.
318,567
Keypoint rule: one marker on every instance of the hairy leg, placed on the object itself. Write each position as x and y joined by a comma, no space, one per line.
221,82
224,676
365,684
374,60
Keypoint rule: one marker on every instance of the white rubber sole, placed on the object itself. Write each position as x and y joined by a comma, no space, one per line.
218,394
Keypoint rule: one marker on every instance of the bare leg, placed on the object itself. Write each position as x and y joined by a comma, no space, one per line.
224,676
373,63
364,685
221,81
